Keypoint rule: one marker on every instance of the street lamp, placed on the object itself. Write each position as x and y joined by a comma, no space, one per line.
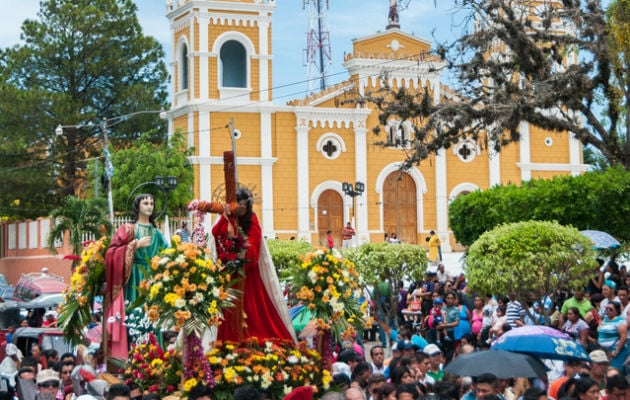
109,168
353,191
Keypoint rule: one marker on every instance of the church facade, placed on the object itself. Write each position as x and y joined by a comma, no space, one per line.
297,156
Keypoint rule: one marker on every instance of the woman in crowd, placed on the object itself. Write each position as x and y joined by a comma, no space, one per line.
585,389
576,327
612,334
476,318
463,327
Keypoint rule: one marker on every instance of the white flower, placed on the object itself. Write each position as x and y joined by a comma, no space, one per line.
292,359
199,297
287,389
268,347
338,307
163,261
266,382
180,303
216,292
209,280
312,276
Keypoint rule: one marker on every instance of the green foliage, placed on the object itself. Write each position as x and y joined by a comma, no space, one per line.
597,200
287,255
529,260
142,163
383,263
78,217
81,61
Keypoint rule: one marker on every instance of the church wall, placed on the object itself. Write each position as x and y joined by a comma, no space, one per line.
248,145
510,172
285,174
556,153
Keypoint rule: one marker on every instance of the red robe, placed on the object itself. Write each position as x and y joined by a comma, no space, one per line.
261,317
118,261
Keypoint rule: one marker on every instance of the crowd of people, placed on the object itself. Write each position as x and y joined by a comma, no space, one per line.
440,319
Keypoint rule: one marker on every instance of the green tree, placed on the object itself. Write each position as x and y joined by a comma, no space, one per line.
80,218
136,167
551,64
596,200
287,255
382,266
528,260
80,61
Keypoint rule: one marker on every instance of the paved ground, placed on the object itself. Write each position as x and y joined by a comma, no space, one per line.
453,262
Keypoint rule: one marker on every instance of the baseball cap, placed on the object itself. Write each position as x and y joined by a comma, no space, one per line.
598,356
431,349
47,375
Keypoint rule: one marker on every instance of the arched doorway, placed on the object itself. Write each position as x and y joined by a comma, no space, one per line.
330,216
400,207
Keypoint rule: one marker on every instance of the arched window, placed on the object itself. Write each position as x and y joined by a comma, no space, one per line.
233,64
183,62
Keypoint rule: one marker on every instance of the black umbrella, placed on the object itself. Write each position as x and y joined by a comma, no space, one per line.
502,364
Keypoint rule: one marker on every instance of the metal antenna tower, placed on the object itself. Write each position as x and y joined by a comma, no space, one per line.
318,54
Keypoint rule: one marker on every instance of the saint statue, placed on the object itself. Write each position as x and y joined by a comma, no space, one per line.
130,251
260,310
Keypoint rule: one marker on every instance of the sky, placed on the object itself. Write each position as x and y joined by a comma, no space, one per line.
346,20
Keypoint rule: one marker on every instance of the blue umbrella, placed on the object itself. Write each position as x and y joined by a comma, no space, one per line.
542,342
602,240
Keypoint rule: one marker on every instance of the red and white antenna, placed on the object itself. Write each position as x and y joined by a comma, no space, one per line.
318,54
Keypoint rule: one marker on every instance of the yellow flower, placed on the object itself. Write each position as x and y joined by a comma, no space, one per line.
171,298
156,363
189,384
153,292
176,239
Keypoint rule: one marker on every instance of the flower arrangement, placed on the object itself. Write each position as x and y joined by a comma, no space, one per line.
153,369
85,284
186,289
276,367
330,287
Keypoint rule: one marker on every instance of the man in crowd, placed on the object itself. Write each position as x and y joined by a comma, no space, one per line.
616,387
599,366
377,355
435,358
347,233
577,300
47,385
487,384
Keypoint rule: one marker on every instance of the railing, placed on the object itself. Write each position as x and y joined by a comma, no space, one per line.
32,236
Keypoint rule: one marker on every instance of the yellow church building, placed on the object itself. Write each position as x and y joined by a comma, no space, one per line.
296,157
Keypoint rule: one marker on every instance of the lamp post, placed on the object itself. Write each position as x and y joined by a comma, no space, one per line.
109,168
353,191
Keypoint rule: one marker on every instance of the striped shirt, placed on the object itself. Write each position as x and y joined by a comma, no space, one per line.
608,336
514,312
